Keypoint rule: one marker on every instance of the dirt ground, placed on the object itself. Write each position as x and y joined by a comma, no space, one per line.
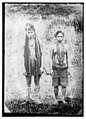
72,107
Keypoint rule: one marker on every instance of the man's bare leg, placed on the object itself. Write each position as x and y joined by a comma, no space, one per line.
28,80
37,89
63,94
36,81
56,92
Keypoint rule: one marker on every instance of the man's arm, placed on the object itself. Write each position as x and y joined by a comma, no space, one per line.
67,56
68,71
42,58
51,59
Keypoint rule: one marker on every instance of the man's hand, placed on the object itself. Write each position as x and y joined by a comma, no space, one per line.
51,71
68,72
42,69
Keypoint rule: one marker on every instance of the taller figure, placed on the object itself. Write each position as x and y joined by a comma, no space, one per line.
32,58
60,65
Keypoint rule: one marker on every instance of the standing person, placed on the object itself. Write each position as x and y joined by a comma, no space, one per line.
32,58
59,65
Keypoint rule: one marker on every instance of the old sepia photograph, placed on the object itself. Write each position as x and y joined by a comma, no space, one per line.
43,59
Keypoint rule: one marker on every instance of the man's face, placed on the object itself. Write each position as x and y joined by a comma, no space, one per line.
60,37
30,32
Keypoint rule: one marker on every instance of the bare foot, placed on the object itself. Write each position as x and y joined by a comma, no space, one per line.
28,99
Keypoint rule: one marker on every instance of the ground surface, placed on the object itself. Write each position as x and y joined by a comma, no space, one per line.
73,107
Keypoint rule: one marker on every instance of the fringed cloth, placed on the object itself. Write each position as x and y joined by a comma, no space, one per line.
34,63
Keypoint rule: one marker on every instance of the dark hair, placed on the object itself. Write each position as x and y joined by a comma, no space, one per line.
58,33
30,26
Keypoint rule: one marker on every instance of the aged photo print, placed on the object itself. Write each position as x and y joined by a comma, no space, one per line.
43,59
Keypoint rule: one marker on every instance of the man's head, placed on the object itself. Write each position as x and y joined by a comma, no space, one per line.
30,30
59,36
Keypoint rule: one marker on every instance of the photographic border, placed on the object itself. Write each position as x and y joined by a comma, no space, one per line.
4,114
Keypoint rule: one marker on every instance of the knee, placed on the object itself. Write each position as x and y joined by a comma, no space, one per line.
63,87
37,77
56,88
28,75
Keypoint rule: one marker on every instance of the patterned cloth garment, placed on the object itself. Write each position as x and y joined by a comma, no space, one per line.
32,56
29,52
32,48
